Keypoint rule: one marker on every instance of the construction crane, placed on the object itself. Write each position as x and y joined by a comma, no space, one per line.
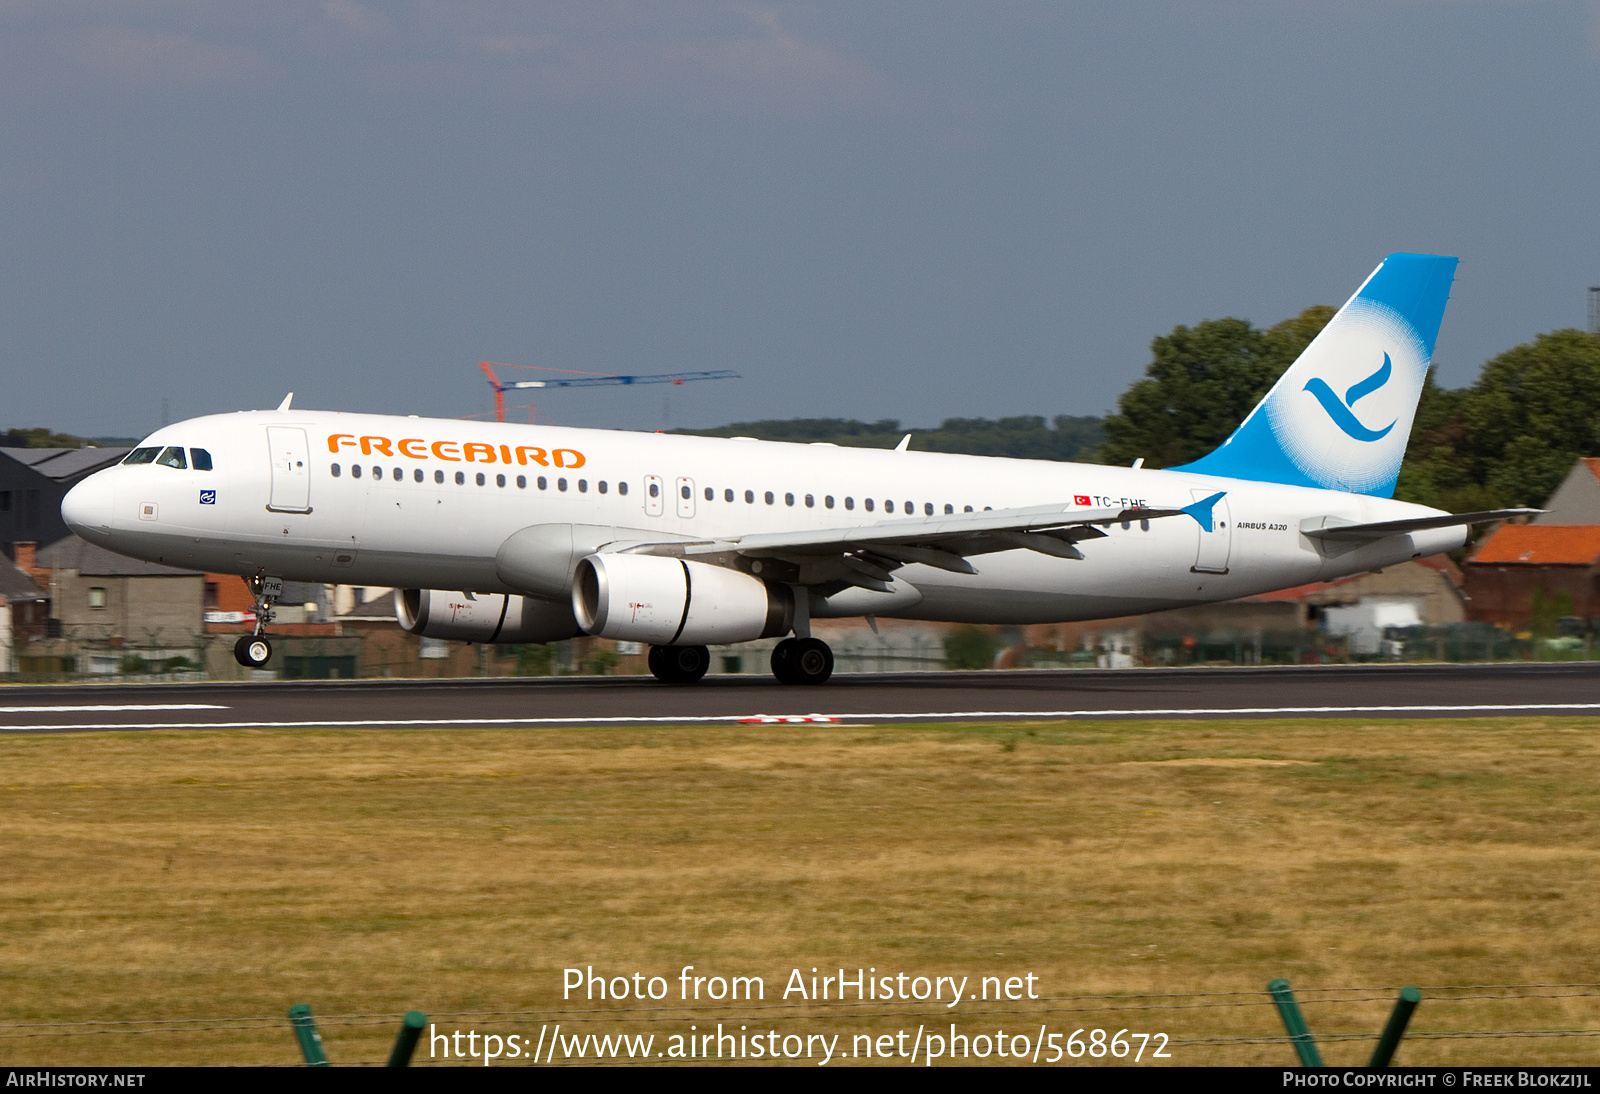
585,379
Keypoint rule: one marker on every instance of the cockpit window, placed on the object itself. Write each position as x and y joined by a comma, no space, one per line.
142,455
173,457
200,459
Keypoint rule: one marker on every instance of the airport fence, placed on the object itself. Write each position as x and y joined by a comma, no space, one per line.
1454,1025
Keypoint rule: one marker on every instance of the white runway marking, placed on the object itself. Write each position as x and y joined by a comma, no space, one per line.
108,708
929,716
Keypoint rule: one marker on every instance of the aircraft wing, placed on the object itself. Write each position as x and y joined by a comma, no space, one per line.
864,554
1383,528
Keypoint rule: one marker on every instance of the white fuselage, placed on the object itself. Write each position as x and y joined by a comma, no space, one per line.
427,503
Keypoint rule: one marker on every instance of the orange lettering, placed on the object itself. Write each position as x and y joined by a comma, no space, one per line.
526,453
338,439
572,458
369,445
505,453
439,447
478,453
405,448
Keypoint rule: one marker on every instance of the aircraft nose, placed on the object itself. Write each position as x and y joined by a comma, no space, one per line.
87,507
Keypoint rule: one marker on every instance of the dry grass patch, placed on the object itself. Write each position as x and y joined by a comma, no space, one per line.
228,874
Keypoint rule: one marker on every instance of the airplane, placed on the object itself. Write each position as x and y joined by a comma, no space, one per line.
507,533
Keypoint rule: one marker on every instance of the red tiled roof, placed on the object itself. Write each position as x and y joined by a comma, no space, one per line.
1441,563
1540,545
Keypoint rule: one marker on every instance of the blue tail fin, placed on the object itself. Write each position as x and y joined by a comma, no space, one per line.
1340,416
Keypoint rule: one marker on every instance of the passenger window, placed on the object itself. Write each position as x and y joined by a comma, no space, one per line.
602,486
438,476
684,492
770,498
711,495
461,478
622,488
561,484
727,495
828,501
868,504
966,508
849,503
399,474
377,473
334,468
499,480
480,478
655,490
142,455
749,497
355,471
583,486
927,508
788,499
948,508
811,502
200,459
544,484
417,475
522,483
173,457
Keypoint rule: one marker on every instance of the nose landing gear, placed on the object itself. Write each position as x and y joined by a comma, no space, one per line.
253,650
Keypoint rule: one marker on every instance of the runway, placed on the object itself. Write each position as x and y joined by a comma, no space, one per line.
1382,691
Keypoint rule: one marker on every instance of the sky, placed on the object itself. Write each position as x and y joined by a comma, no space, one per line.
889,210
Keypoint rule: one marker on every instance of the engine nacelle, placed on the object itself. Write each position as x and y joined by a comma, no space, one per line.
674,602
482,617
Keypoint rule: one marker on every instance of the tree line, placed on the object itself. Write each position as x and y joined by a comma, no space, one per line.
1508,439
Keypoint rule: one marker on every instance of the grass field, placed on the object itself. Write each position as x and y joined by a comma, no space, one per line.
209,876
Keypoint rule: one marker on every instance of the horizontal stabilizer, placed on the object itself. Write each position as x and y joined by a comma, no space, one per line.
1384,528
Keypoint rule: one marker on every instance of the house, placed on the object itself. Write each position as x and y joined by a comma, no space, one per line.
1577,499
1286,623
24,613
32,483
110,613
1522,569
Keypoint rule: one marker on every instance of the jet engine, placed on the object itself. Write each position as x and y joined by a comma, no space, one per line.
674,602
482,617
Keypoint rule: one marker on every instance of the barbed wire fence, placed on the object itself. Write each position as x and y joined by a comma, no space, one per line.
1250,1014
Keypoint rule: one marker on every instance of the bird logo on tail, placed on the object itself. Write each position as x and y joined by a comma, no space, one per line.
1342,412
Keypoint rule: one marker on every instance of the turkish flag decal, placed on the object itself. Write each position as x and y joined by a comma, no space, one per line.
1081,499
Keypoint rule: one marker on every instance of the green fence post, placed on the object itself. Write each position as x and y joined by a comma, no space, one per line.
1289,1011
406,1043
1401,1015
305,1030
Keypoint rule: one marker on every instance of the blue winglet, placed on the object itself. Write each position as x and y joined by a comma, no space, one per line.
1201,510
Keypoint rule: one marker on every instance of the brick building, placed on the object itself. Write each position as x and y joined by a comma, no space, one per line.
1523,567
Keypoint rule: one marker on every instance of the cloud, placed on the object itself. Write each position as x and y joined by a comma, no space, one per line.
358,18
163,56
749,60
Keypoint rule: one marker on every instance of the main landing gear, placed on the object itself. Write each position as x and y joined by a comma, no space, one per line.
253,650
802,661
679,664
794,661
